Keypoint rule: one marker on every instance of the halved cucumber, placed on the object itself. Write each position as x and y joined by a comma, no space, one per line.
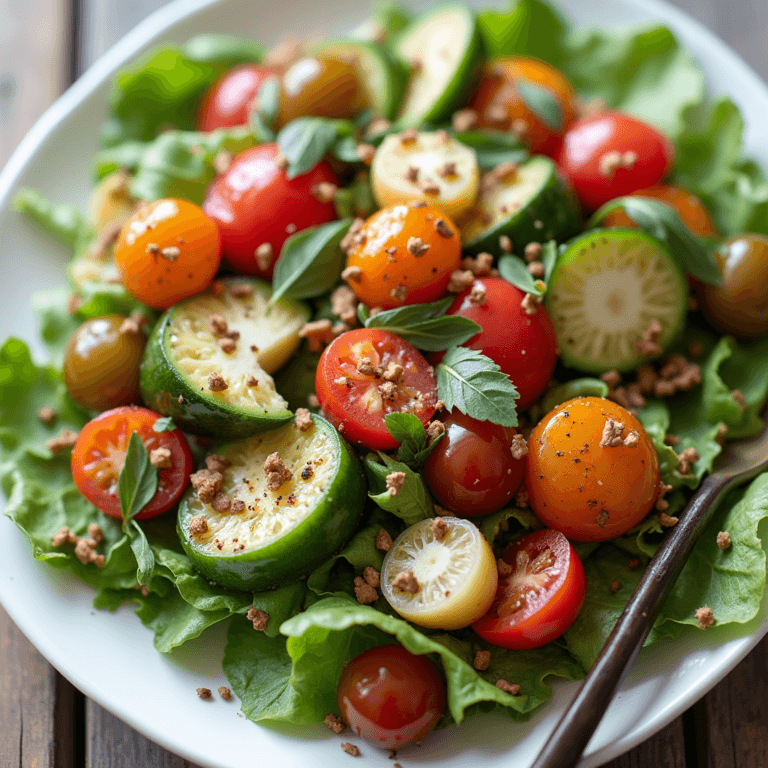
433,167
280,535
607,289
455,574
382,77
443,49
531,205
182,353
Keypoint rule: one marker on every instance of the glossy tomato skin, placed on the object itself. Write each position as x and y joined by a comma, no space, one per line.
390,697
254,202
471,471
611,155
99,455
589,491
544,612
523,346
356,402
227,103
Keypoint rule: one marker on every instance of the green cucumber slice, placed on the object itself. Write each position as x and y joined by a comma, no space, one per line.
532,206
607,288
443,49
182,353
382,77
284,534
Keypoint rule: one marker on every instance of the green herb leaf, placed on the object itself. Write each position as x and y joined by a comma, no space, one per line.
493,147
412,503
543,103
138,479
307,140
62,220
363,313
310,262
265,108
356,200
408,430
661,222
514,270
145,559
473,383
164,424
548,258
224,51
574,388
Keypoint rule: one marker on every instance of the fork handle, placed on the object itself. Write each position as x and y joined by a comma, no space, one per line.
575,728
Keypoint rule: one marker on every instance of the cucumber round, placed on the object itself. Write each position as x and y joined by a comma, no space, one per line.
285,534
609,285
182,353
443,49
532,206
382,77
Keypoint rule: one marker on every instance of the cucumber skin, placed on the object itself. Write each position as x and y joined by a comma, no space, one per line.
161,383
303,549
557,208
461,87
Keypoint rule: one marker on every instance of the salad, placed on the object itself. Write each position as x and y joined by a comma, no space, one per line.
399,353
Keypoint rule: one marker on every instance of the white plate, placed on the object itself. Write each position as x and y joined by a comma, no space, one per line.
110,657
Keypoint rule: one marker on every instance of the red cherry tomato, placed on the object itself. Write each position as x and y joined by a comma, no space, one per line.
99,455
358,384
541,596
391,697
227,103
254,202
523,346
612,155
472,471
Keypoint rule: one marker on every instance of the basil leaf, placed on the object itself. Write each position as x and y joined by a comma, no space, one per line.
662,222
345,149
137,483
412,503
410,314
224,51
514,270
363,313
307,140
542,103
548,258
473,383
145,558
493,147
356,200
164,424
408,430
266,106
310,262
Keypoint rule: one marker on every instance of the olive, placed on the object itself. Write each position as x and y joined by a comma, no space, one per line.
740,306
101,364
320,87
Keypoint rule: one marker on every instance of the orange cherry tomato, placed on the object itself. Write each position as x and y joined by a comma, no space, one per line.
406,254
167,251
582,487
500,105
685,204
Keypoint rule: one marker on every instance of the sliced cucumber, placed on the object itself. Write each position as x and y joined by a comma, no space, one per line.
532,205
607,289
443,49
182,353
382,77
433,167
280,535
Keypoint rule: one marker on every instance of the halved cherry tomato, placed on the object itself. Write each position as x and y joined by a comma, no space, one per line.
358,384
99,455
611,155
391,697
167,251
581,484
255,203
540,598
405,254
500,105
227,103
523,346
471,470
685,204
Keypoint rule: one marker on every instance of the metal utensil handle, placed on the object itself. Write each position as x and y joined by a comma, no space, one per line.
575,728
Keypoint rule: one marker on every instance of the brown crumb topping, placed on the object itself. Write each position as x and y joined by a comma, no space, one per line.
355,235
258,618
738,398
460,280
160,458
325,192
318,334
440,529
724,540
662,505
198,524
688,457
442,228
395,482
66,439
383,541
464,120
705,617
482,660
615,586
519,447
477,294
505,243
668,521
365,594
352,274
393,372
372,576
95,532
480,266
388,390
277,473
350,749
241,290
648,344
227,345
434,430
613,434
513,689
529,304
225,693
334,722
303,419
536,269
64,536
365,153
85,552
217,463
416,246
221,503
206,484
406,582
47,415
217,383
204,693
532,252
264,254
344,304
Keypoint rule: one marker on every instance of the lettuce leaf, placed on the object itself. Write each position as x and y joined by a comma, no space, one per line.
61,220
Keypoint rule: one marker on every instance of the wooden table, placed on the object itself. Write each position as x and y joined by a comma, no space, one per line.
44,721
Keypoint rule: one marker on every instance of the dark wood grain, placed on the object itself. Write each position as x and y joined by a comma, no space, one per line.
664,750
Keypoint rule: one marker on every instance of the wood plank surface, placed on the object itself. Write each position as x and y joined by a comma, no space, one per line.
664,750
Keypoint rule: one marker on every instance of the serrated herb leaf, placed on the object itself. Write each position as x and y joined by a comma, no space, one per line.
363,313
473,383
548,258
412,503
661,222
514,270
164,424
145,558
543,103
408,430
307,140
493,147
310,262
137,483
